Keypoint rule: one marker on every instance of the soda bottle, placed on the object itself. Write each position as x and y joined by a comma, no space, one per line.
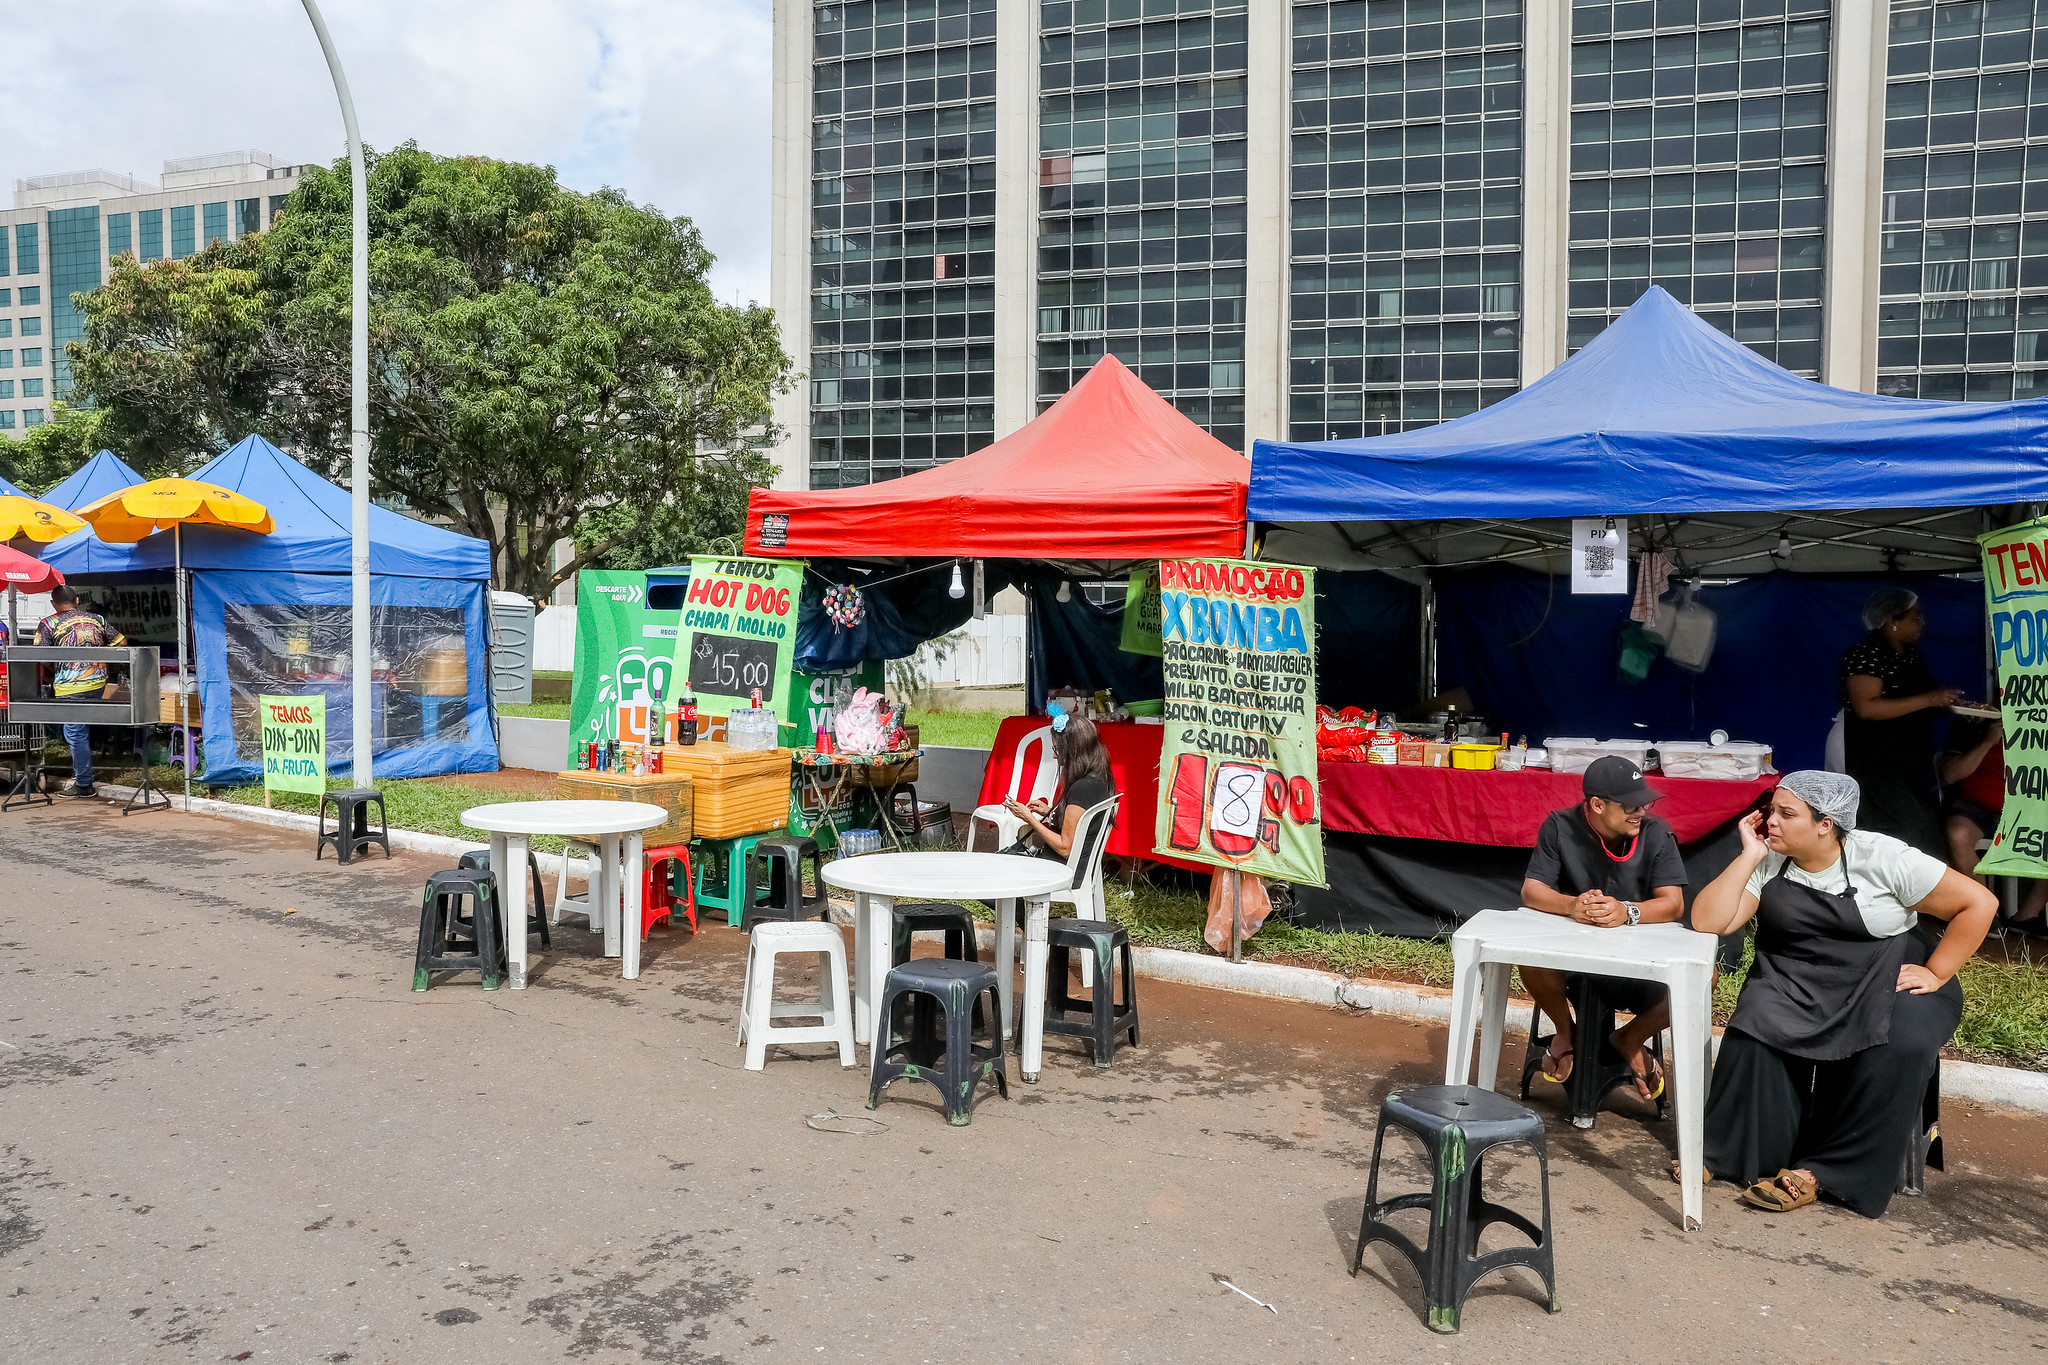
689,720
657,721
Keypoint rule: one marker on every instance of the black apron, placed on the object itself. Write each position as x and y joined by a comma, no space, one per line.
1822,986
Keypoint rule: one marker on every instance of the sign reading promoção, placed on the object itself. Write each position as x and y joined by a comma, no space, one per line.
1237,769
2016,595
294,743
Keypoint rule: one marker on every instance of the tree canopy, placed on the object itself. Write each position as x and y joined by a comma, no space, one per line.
545,364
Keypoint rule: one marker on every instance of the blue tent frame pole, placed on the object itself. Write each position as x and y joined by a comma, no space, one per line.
359,408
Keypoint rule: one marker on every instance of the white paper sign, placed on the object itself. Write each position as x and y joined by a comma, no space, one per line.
1600,554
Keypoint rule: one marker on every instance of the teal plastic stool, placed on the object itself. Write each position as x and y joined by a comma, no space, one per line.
722,873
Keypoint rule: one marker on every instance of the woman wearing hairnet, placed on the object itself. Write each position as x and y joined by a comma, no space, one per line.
1825,1063
1891,699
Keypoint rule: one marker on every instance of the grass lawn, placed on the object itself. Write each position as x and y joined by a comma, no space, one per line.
539,710
962,729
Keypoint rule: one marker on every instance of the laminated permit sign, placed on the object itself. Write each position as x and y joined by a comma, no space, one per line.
1237,768
294,743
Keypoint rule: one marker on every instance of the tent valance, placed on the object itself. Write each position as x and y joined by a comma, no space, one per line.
1110,473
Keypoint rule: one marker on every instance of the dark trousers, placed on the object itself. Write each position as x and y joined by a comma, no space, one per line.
1846,1121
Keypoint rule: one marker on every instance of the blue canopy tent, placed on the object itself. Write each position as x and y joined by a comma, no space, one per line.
270,613
104,473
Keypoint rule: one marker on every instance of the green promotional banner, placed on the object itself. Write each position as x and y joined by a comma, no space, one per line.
2016,595
1237,769
739,634
1141,613
625,652
294,743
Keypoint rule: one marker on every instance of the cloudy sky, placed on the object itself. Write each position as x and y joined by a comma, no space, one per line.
665,99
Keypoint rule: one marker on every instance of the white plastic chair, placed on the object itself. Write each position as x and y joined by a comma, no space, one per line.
833,1007
1084,859
1044,779
578,904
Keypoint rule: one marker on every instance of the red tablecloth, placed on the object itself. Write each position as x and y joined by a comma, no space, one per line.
1502,808
1133,762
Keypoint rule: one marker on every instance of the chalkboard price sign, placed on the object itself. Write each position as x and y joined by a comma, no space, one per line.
730,666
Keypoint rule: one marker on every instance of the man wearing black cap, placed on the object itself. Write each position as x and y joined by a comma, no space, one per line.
1606,862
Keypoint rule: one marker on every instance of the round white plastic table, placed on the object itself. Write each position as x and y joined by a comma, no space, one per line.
616,826
879,880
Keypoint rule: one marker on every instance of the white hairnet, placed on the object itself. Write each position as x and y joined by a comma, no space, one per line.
1834,796
1887,605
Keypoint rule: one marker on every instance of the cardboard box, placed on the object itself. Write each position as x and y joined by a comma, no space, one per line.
671,791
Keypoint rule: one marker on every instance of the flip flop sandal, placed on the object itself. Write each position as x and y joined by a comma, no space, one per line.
1656,1075
1773,1197
1557,1066
1678,1174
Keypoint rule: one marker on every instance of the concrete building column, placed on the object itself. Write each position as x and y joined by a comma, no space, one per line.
1268,78
789,289
1016,214
1546,182
1859,35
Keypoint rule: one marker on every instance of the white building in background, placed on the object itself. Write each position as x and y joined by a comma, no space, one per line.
57,239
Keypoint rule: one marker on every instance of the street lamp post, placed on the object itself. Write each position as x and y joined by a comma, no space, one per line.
358,410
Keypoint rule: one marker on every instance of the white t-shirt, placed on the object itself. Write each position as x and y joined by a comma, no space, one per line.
1890,876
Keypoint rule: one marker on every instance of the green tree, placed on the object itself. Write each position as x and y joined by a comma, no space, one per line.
545,364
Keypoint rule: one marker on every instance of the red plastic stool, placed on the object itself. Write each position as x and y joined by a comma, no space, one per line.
667,867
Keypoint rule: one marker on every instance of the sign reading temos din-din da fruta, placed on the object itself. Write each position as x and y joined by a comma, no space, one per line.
2016,595
1237,770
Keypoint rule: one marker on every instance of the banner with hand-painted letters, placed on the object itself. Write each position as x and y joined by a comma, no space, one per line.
1237,769
2016,595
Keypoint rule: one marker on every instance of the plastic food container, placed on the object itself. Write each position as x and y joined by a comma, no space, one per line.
1735,761
1477,757
1577,755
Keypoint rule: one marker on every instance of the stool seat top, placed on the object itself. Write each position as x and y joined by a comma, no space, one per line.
942,970
795,929
354,794
1085,928
1468,1106
928,910
565,817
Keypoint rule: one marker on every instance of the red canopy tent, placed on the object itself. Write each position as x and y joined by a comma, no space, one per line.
1110,473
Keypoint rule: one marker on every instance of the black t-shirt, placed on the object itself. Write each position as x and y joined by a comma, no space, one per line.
1087,793
1571,859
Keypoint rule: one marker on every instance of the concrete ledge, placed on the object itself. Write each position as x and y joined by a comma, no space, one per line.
2009,1087
533,743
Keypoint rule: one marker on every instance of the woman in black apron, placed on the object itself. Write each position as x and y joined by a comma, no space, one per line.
1890,701
1824,1065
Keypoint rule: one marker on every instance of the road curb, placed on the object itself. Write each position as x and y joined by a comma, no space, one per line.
1979,1082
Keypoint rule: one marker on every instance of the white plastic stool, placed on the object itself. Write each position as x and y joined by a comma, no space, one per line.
578,904
757,1004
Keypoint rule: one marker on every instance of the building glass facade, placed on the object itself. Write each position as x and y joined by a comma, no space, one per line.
120,234
149,226
1698,148
1141,200
248,216
184,238
213,221
1404,257
902,255
28,250
1963,284
75,267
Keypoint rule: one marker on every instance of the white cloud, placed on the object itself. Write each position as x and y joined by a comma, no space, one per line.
667,100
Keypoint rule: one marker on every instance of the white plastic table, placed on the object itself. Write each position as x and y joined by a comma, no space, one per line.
1493,942
614,825
879,880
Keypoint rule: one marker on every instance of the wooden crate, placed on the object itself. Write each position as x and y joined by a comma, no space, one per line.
671,791
737,791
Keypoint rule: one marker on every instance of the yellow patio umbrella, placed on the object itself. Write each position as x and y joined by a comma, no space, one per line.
26,519
127,516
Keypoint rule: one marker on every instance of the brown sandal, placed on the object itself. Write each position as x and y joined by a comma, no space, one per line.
1790,1190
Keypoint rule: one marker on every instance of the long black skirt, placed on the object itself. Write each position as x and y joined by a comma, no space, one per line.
1847,1121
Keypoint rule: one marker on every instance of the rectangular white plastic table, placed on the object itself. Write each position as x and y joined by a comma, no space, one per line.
615,827
879,880
1492,943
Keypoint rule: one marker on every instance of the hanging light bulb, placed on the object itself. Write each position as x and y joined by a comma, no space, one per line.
1066,591
959,589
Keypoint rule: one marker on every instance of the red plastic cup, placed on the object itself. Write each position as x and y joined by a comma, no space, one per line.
824,741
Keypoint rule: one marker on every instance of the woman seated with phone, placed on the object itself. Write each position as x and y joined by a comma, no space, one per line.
1085,782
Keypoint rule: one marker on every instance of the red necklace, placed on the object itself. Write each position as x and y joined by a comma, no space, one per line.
1601,840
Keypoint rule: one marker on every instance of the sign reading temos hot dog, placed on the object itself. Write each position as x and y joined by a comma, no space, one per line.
739,633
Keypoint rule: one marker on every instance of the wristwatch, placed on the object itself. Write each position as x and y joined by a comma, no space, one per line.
1635,912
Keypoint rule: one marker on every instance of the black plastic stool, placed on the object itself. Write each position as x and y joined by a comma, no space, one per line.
352,831
441,910
781,876
935,985
1106,1023
1459,1125
537,922
909,918
1596,1070
1923,1144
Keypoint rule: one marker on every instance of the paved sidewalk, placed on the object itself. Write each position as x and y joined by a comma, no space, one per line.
232,1133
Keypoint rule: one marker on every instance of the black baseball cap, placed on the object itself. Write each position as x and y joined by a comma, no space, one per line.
1614,778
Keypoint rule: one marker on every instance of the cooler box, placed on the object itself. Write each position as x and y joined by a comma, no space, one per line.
671,791
736,791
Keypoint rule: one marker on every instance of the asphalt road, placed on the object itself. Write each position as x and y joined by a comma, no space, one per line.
229,1132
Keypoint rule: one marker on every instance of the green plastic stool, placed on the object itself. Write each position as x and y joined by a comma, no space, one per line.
722,868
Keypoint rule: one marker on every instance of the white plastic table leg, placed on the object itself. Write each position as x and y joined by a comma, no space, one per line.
1464,1011
860,966
1692,1006
1037,911
635,882
757,1006
505,848
875,977
1006,964
608,908
834,991
1493,1018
